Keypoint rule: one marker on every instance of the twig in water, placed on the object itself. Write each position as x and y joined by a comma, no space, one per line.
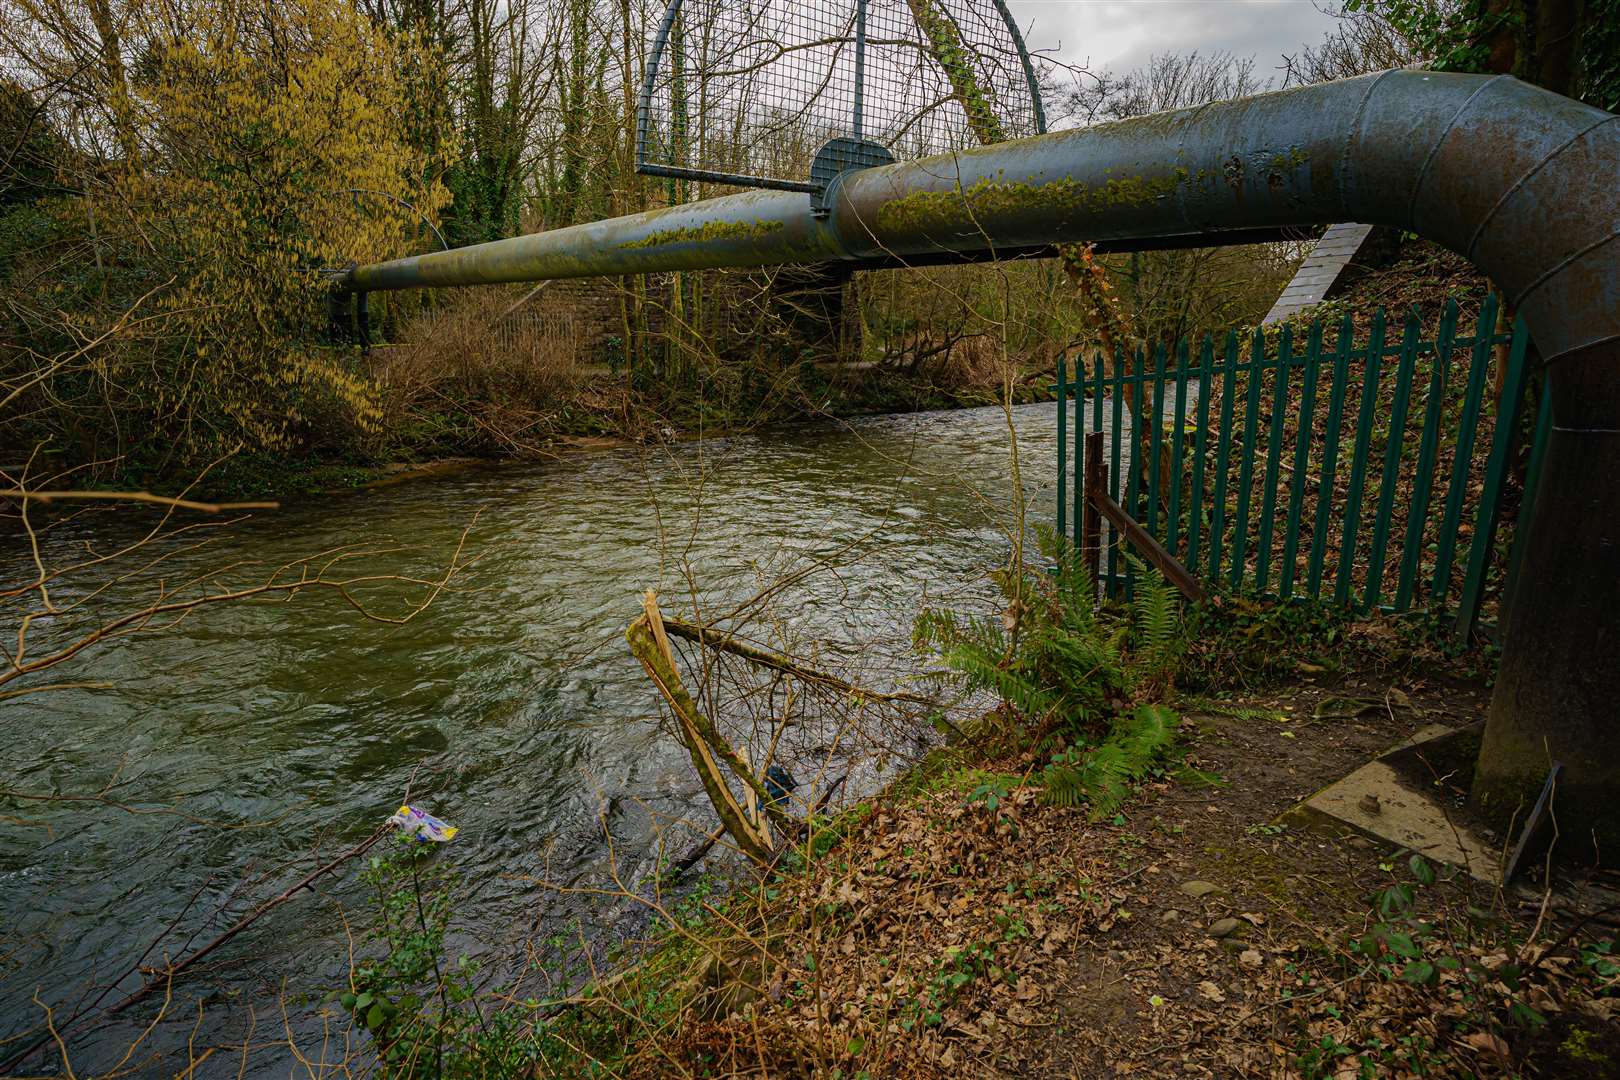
168,973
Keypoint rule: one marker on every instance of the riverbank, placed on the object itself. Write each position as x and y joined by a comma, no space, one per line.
600,414
464,393
959,924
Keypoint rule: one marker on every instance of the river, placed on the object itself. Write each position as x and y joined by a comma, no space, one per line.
252,735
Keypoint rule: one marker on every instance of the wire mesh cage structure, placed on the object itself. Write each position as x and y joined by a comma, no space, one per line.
788,94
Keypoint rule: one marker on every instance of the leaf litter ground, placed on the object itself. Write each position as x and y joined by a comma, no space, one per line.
966,929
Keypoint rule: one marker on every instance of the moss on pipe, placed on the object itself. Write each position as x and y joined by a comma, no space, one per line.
711,230
944,211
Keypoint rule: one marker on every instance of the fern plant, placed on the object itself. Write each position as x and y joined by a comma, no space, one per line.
1047,656
1156,633
1074,676
1102,777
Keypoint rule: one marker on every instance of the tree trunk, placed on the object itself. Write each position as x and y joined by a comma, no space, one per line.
949,51
112,63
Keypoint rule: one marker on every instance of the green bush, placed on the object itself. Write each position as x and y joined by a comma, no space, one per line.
421,1010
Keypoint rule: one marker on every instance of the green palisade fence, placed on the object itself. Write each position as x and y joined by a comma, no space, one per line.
1369,473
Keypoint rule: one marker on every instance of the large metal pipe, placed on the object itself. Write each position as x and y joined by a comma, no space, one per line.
1520,180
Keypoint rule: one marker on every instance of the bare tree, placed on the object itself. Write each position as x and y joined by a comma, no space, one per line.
1361,42
1169,81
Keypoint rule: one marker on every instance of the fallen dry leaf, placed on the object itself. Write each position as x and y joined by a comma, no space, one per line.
1491,1044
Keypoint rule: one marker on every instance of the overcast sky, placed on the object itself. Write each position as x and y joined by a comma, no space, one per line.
1123,34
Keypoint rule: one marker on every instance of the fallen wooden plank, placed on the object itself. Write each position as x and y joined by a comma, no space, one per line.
1166,563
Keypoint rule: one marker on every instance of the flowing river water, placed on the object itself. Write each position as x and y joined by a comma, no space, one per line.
248,737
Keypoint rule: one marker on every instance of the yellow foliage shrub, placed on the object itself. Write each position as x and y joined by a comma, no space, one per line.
274,149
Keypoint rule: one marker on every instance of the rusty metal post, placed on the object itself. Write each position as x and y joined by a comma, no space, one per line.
1091,525
1143,541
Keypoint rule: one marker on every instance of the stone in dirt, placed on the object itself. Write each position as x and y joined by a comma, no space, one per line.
1199,889
1221,928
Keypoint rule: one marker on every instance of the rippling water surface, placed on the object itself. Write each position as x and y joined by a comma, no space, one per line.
512,700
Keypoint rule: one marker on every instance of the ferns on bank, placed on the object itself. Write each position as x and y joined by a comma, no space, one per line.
1156,628
1102,776
1070,672
1048,656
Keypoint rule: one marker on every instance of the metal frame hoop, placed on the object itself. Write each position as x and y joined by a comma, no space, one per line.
679,172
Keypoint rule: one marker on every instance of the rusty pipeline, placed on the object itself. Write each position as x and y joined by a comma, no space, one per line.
1518,179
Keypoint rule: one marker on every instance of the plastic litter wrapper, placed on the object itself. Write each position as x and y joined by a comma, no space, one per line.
418,823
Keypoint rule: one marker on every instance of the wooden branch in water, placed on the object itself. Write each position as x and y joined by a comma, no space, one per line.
693,856
714,639
826,796
134,496
696,852
650,644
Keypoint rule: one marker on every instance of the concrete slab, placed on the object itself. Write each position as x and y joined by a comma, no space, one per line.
1321,270
1389,799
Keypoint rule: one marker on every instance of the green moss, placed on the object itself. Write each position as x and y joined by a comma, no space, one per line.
713,230
1280,165
1295,158
1500,796
1579,1046
1307,897
943,211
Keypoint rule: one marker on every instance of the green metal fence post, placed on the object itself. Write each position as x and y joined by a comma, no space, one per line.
1223,456
1462,461
1115,440
1358,459
1428,446
1156,440
1330,454
1251,422
1195,515
1062,447
1077,504
1133,485
1496,470
1172,530
1268,503
1392,461
1097,425
1302,461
